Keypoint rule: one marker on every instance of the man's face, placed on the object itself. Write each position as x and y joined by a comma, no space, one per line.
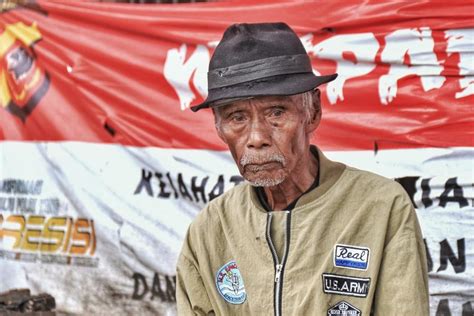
267,136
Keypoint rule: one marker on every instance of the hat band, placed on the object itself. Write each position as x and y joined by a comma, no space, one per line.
258,69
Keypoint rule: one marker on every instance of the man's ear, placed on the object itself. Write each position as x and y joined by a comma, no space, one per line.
313,123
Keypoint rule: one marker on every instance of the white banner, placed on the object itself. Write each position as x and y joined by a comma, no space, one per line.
108,221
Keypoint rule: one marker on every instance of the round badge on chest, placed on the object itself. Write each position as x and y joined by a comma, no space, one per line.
229,283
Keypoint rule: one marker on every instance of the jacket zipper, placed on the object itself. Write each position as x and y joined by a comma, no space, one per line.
279,266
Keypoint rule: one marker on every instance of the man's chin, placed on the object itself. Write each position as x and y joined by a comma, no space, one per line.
264,181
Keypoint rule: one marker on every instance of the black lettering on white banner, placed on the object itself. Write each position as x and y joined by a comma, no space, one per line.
443,309
162,286
453,192
446,253
195,189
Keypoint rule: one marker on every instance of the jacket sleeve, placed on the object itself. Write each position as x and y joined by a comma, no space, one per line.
402,285
191,294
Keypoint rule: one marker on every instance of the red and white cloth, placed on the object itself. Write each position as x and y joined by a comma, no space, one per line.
103,166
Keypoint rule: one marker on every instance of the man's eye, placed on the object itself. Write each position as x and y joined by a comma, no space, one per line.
277,112
237,117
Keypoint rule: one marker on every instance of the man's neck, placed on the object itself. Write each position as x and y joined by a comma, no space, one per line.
295,185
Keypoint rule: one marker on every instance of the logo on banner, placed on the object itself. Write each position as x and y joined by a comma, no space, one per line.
23,83
351,257
345,285
343,309
38,238
230,284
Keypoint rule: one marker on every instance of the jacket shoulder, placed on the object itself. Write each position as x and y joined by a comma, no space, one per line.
208,224
209,217
374,183
390,200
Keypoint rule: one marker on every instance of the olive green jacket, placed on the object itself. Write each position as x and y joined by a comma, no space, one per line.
353,245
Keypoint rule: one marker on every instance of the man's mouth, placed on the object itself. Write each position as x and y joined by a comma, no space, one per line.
256,167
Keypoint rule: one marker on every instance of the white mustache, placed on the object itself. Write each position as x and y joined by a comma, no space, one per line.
259,159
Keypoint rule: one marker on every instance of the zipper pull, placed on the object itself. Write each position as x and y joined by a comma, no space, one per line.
278,272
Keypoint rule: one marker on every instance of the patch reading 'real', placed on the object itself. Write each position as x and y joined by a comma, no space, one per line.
351,257
230,284
345,285
343,309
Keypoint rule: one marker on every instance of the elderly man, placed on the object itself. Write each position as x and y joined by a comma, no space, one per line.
305,235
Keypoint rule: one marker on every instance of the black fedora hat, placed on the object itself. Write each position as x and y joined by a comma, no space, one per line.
261,59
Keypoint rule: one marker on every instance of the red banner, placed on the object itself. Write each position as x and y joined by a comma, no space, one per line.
115,73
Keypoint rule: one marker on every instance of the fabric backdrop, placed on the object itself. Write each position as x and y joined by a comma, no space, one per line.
103,166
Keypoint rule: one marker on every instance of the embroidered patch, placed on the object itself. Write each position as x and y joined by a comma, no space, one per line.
230,284
343,309
345,285
351,257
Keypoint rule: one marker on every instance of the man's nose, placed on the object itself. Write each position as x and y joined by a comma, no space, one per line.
259,135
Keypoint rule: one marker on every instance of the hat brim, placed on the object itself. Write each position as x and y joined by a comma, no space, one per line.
276,85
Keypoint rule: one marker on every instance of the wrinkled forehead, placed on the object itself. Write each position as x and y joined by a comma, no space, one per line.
291,100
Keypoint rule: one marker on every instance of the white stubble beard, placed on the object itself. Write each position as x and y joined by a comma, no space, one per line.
258,159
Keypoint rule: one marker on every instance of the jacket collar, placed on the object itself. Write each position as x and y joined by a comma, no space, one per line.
329,172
